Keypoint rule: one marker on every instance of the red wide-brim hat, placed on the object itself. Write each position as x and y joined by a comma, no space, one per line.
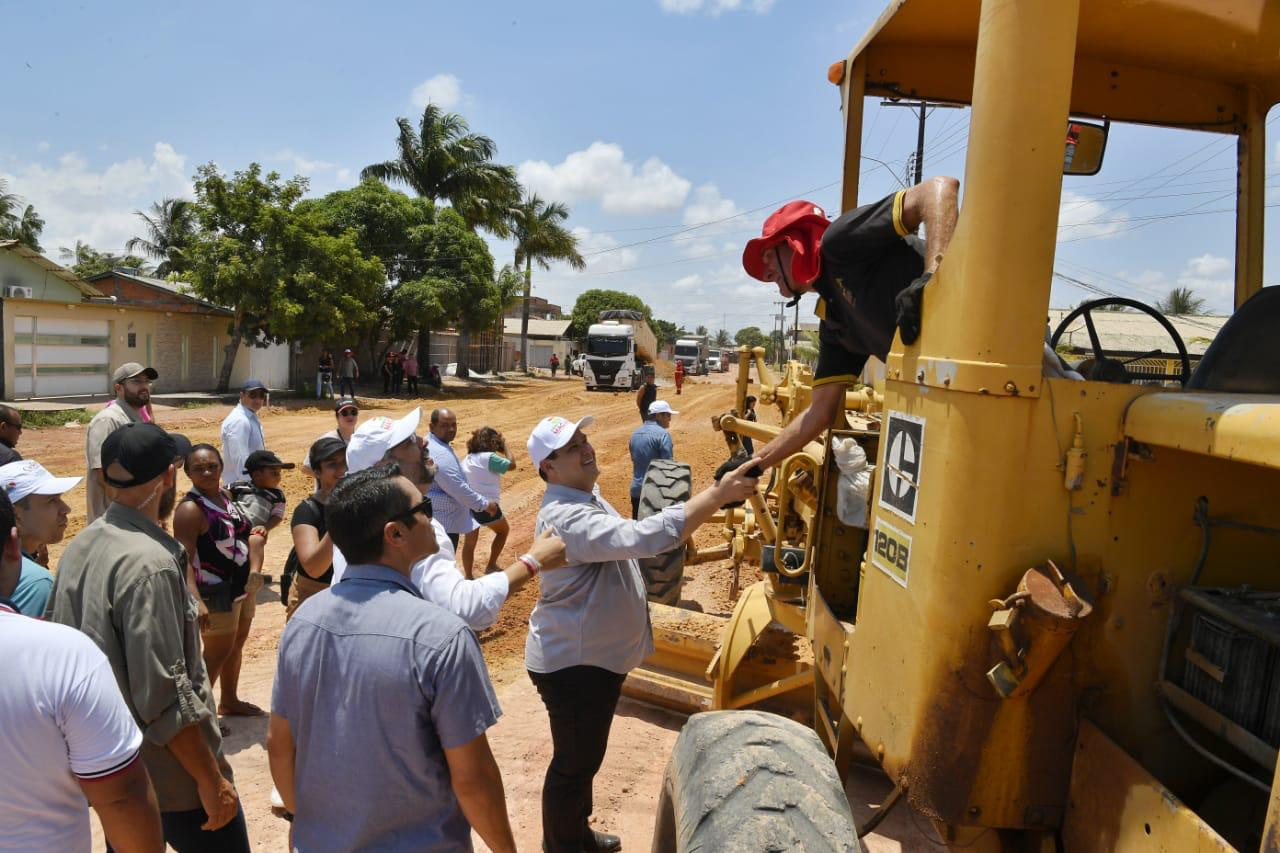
801,225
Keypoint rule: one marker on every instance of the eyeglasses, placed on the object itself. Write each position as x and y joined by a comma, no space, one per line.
258,395
423,507
348,413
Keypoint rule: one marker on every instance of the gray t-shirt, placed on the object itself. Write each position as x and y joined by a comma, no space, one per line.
376,683
103,424
594,612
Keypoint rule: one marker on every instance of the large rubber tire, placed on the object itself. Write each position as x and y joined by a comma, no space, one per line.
748,782
666,482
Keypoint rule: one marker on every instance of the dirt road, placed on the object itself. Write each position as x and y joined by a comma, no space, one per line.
627,787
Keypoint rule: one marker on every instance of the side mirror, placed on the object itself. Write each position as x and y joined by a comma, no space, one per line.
1086,143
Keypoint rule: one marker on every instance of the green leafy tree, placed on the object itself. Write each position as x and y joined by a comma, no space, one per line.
170,229
700,331
87,261
806,349
454,263
441,159
751,336
508,287
538,229
722,339
379,219
666,332
587,308
9,204
1181,301
282,276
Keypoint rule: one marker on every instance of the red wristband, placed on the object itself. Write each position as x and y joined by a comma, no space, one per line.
530,565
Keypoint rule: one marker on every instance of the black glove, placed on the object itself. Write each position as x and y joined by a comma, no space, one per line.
908,303
733,463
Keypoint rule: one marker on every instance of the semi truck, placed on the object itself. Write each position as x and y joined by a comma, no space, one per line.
691,351
617,350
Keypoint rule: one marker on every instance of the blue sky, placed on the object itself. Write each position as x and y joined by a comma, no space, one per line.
645,116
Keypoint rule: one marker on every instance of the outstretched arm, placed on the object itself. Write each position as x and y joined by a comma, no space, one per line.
934,203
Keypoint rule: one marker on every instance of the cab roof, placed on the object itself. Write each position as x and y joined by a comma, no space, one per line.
1164,62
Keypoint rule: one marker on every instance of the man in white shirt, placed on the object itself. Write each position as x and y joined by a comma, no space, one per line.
242,431
590,626
437,577
68,734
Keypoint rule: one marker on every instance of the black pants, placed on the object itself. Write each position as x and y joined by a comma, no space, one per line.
388,381
347,387
182,832
635,507
413,384
454,537
580,701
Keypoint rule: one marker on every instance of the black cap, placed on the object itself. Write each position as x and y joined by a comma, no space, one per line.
144,451
345,403
264,459
323,449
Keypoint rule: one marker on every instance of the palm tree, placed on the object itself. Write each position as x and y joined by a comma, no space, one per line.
722,339
28,227
442,159
538,229
1181,300
9,202
170,231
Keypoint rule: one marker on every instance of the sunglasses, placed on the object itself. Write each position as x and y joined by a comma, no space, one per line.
423,507
348,413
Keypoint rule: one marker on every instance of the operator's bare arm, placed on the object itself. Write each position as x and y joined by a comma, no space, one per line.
826,403
933,203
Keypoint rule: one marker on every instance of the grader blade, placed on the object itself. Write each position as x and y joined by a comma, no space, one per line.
686,643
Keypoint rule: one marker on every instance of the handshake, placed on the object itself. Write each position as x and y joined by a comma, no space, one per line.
737,479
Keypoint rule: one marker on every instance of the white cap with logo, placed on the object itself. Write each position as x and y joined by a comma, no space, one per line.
29,477
551,434
373,438
661,407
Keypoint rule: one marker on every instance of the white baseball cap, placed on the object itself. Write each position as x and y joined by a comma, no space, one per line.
661,407
551,434
29,477
373,438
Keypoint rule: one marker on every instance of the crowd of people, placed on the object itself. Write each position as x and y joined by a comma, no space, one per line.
400,374
382,700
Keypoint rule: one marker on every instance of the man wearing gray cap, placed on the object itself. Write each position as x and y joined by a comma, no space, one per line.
132,383
242,431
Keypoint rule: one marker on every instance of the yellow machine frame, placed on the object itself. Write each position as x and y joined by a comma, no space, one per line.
932,642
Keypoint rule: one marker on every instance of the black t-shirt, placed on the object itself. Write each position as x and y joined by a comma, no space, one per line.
309,512
8,454
647,397
868,258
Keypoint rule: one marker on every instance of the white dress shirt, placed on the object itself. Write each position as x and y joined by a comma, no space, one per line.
441,582
241,435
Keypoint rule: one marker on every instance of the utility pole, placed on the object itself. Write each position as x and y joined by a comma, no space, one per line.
922,109
780,339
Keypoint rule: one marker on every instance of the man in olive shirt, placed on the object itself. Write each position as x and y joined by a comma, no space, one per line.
121,581
132,383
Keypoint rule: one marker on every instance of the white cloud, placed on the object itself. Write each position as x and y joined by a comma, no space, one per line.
344,175
1081,217
1212,278
687,282
714,7
42,147
602,173
302,164
708,206
79,203
443,90
601,253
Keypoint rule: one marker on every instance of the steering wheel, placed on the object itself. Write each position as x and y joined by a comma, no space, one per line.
1107,369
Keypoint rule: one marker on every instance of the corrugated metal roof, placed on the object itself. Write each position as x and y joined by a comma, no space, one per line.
177,288
44,263
537,328
1135,332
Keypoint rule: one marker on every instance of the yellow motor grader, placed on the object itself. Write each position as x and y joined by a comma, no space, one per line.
1058,627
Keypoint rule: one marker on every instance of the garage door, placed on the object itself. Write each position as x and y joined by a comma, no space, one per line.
56,358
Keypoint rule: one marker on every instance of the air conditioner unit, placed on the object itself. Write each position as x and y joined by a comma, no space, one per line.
16,292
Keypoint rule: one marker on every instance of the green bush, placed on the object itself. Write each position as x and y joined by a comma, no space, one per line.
42,420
